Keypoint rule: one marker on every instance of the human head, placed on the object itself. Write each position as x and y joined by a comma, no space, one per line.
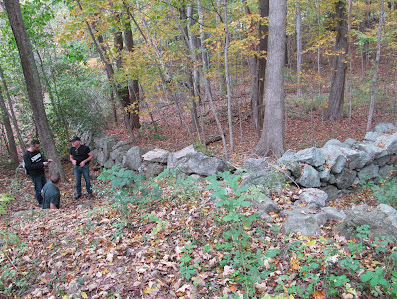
35,144
76,141
55,178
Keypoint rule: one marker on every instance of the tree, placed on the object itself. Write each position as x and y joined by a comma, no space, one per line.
32,81
337,91
272,140
7,124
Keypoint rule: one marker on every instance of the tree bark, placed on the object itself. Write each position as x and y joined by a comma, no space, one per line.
377,59
337,91
10,135
258,67
33,83
298,49
22,144
272,141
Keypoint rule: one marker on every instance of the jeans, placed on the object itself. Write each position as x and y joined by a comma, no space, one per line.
85,171
39,182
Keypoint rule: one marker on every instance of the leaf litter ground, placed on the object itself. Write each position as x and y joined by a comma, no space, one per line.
83,253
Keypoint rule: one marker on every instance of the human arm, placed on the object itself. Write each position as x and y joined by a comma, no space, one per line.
71,158
52,206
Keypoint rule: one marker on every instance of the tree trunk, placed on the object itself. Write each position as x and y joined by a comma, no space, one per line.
258,67
10,135
133,84
298,49
374,79
32,82
337,92
206,79
228,83
22,144
272,141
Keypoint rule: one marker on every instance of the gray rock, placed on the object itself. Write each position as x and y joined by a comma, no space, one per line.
313,195
386,171
133,158
334,214
373,151
289,155
20,213
345,179
153,169
264,204
349,143
384,127
109,164
390,212
332,192
307,225
122,145
387,142
104,145
371,136
191,161
119,150
324,173
335,158
378,221
309,178
383,161
157,155
369,172
268,179
292,167
256,164
314,156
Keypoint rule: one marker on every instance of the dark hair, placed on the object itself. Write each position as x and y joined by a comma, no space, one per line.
34,142
55,178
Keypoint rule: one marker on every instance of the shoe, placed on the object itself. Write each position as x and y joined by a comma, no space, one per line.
90,196
77,196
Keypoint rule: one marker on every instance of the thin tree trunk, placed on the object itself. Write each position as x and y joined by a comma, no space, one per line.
228,83
12,114
206,79
10,135
374,79
33,84
220,67
110,72
298,49
272,141
349,54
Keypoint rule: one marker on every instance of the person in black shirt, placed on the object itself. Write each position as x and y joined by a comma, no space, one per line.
34,165
80,156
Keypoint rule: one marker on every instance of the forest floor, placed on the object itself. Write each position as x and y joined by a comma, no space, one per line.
168,248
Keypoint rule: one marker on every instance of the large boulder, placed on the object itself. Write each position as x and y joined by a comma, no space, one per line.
384,127
313,195
387,142
191,161
335,158
310,177
156,155
380,221
119,150
133,158
256,164
346,178
313,156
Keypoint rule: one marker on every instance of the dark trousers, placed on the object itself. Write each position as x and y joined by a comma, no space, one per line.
85,172
39,182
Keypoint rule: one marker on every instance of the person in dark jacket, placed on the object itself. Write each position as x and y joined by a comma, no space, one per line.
34,164
51,194
80,156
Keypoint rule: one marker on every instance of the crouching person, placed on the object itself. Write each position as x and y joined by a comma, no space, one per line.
51,193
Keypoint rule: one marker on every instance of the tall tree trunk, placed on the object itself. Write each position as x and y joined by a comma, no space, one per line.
133,84
206,79
228,83
220,67
374,79
258,67
10,135
337,92
272,141
109,73
32,82
349,54
22,144
298,49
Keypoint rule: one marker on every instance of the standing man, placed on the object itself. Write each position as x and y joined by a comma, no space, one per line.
80,156
34,165
51,193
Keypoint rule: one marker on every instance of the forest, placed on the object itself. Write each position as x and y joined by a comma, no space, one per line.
243,82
